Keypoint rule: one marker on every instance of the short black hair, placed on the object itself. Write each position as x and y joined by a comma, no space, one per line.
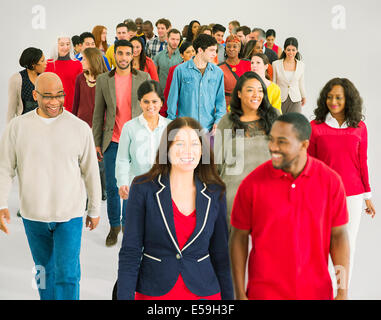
218,27
85,35
75,40
245,29
204,41
300,123
30,57
122,43
121,25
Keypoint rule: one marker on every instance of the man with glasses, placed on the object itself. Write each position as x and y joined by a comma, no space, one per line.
53,153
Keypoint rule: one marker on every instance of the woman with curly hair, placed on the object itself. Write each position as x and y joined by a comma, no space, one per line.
241,141
339,138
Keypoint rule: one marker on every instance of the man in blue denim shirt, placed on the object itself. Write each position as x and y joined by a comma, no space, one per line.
197,88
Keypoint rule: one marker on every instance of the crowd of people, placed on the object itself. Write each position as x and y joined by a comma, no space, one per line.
200,132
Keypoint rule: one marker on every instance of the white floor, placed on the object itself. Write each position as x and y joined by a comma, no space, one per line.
99,264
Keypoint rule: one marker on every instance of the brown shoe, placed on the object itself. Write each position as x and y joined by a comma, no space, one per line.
112,237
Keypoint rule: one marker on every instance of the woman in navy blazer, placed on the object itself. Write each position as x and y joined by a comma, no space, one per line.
151,260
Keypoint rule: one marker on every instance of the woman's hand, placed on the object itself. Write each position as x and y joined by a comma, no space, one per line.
370,208
123,192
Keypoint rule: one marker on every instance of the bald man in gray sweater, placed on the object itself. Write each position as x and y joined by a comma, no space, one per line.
53,154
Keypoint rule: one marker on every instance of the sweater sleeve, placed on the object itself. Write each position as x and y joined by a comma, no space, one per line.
363,158
14,99
90,172
8,162
151,69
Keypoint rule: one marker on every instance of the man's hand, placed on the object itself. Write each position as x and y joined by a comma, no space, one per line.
99,153
123,192
4,216
92,223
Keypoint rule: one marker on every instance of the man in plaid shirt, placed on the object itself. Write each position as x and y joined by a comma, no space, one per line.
154,46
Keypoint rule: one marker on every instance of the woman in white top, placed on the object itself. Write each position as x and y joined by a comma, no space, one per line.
140,138
288,74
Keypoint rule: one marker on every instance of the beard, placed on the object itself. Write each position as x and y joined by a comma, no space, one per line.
123,67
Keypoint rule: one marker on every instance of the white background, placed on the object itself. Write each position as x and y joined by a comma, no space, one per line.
353,52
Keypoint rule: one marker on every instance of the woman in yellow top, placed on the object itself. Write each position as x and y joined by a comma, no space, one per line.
259,64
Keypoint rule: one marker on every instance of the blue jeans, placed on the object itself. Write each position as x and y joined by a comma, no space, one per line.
55,249
113,198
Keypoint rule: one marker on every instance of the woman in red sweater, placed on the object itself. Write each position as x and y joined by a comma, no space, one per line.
339,138
141,61
63,63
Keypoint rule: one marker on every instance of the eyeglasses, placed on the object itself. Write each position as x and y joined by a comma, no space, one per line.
51,98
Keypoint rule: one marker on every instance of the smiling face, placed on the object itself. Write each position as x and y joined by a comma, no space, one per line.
188,54
285,147
137,47
151,105
251,95
219,36
63,46
336,101
49,95
291,51
258,66
162,31
232,49
185,150
123,57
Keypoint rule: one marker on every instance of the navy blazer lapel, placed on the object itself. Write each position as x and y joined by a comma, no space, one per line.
203,203
164,200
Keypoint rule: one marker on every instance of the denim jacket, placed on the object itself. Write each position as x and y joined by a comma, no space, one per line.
201,97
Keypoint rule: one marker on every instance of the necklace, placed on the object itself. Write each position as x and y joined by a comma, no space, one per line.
90,83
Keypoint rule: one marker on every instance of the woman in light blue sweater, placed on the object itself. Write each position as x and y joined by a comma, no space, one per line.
140,138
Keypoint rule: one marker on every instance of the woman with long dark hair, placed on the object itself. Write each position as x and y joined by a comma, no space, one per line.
192,30
21,84
288,74
175,245
141,61
241,141
340,139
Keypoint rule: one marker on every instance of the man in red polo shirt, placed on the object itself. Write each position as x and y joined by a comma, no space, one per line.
294,208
